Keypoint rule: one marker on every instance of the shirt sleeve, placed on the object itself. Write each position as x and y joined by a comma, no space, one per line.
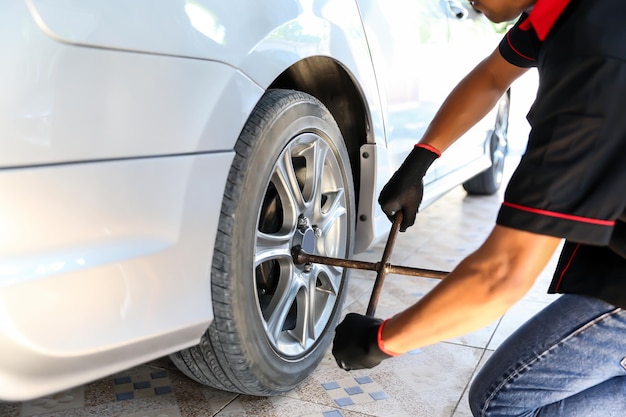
520,46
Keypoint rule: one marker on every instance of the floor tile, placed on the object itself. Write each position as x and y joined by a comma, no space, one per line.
428,382
282,406
462,408
56,403
516,316
164,412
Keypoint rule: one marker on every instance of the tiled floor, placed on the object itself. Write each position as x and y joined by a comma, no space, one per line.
430,382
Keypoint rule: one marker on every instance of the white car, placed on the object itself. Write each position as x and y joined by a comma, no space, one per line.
160,159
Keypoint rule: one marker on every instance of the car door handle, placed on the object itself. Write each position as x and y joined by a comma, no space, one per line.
457,9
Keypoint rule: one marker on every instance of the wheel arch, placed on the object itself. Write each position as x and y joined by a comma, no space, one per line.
329,82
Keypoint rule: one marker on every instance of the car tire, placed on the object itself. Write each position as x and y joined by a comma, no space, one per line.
290,184
489,181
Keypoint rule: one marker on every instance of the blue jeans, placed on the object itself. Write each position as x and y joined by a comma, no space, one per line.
569,360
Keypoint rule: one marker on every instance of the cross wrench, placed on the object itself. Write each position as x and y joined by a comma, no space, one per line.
382,268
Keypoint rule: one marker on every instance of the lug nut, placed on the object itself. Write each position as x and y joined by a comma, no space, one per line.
308,267
317,231
303,223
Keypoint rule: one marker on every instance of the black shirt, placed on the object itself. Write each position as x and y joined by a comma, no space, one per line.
571,181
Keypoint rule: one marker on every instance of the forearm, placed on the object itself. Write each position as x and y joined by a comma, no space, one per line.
471,100
448,311
480,290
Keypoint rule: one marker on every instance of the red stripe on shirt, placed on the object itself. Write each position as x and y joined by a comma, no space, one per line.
508,39
571,258
548,213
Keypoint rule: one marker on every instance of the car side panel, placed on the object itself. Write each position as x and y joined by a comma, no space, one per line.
63,103
262,38
204,29
261,41
108,256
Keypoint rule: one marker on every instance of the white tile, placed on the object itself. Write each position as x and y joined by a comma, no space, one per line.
55,403
479,338
462,408
163,412
513,319
427,382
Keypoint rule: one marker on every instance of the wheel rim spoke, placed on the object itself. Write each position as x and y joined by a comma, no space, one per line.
300,332
332,287
317,173
286,182
270,246
277,311
335,211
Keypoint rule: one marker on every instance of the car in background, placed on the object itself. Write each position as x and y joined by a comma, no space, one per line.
160,159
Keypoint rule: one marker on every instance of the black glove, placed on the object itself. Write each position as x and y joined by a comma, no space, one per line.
356,343
405,189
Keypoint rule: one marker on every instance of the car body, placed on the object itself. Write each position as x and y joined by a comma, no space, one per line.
160,159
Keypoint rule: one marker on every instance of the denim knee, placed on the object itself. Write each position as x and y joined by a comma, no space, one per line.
476,399
483,393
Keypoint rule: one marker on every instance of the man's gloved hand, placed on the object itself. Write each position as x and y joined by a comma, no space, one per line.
357,342
405,189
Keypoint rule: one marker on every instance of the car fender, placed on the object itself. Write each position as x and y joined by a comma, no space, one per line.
261,42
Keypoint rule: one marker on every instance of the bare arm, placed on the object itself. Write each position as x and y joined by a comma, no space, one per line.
476,293
468,102
471,100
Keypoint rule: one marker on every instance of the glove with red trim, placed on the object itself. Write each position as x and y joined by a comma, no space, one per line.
358,343
405,189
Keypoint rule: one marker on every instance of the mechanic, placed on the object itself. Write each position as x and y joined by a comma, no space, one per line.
570,359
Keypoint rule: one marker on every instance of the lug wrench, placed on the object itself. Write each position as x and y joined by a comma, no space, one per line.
382,268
